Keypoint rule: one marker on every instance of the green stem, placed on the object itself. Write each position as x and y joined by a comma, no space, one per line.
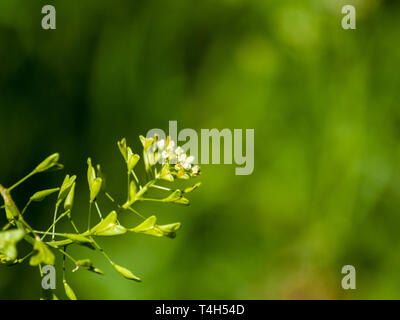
26,207
73,224
89,215
101,250
22,180
54,221
54,224
98,210
109,197
134,211
26,257
67,255
151,199
136,178
160,187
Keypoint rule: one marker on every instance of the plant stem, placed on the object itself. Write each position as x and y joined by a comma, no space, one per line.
54,221
67,255
26,207
160,187
134,211
151,199
98,210
12,207
20,181
101,250
89,215
24,258
136,178
54,224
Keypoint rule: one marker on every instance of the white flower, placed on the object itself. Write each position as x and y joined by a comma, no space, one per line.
171,146
187,166
195,169
182,158
161,144
164,154
178,151
190,159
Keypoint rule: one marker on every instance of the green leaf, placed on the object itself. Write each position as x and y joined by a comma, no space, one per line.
68,291
125,272
44,255
41,195
108,226
8,241
95,189
87,264
48,163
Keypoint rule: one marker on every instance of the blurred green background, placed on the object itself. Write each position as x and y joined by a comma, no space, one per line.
323,101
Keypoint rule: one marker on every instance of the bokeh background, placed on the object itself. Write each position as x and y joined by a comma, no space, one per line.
324,103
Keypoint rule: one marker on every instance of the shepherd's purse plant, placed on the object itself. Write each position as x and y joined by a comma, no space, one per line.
163,160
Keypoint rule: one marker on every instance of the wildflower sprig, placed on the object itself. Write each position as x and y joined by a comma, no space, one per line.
162,161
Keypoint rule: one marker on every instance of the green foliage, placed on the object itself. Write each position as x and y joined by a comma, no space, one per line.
42,247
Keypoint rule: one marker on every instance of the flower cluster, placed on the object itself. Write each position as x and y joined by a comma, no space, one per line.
173,159
162,160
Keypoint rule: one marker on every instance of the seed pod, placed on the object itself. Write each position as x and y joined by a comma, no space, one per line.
48,163
108,226
132,192
65,188
190,189
91,173
146,142
133,160
68,291
95,189
69,201
40,195
87,264
148,227
169,230
122,147
126,273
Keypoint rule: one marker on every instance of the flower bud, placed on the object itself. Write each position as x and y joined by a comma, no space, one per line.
40,195
95,189
48,163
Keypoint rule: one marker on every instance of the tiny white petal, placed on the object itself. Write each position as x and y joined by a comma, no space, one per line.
165,154
190,159
161,144
182,157
178,151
